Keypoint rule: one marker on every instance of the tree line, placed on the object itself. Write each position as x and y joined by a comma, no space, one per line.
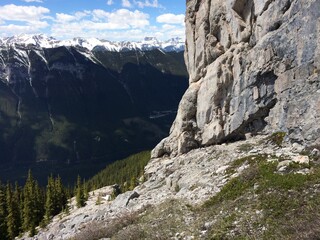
23,208
126,173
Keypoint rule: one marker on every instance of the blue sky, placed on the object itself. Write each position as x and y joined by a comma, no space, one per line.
104,19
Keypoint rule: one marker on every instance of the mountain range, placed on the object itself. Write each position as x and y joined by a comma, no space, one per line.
70,107
43,41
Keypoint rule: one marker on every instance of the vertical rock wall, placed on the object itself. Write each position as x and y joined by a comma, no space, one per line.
254,66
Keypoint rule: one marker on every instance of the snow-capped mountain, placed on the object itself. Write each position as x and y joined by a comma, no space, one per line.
43,41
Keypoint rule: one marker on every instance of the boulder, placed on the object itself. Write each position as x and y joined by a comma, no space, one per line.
301,159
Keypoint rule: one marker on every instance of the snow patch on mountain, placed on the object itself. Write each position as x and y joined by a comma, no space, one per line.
43,41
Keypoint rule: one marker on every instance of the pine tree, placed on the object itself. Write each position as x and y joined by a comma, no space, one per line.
3,213
39,201
85,190
79,193
33,205
18,201
132,183
28,191
13,216
49,205
61,196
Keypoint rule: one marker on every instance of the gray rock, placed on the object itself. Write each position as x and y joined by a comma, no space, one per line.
132,196
283,165
248,73
61,226
297,148
123,200
315,152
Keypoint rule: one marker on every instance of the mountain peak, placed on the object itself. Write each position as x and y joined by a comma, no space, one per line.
44,41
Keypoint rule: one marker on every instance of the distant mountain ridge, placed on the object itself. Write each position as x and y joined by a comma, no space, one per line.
43,41
66,109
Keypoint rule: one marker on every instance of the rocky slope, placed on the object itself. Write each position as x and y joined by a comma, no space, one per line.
169,204
253,65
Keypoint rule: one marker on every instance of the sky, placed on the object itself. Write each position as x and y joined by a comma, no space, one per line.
115,20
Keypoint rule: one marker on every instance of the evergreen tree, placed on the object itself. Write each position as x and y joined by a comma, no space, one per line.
39,201
132,183
61,196
18,201
13,215
3,213
80,199
28,192
50,198
33,204
85,190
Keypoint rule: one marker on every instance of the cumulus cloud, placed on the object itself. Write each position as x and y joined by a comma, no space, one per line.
126,3
13,12
109,2
97,22
147,3
122,24
62,17
13,29
22,19
170,18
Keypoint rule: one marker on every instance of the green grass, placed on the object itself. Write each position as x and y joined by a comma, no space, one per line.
287,202
277,138
246,147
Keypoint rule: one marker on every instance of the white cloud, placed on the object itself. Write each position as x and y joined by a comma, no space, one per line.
147,3
97,22
28,1
170,18
99,14
30,19
13,29
22,13
126,3
62,17
135,19
109,2
119,25
168,26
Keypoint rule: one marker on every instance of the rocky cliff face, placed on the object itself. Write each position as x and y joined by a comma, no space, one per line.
253,65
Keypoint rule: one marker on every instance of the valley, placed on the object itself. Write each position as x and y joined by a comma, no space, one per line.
71,110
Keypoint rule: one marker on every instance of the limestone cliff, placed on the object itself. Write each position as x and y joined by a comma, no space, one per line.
254,66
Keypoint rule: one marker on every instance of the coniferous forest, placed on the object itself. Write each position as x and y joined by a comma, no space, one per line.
23,208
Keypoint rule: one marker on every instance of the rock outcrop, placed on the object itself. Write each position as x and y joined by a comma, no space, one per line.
254,66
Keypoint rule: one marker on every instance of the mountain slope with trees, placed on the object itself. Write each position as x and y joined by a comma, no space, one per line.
65,110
